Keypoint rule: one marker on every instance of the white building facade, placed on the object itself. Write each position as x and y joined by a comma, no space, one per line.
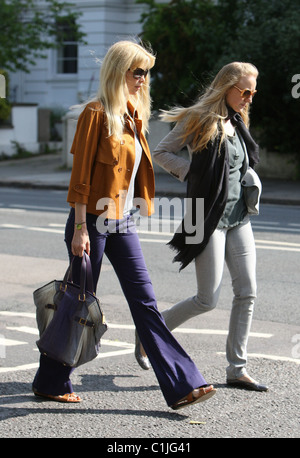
71,74
66,77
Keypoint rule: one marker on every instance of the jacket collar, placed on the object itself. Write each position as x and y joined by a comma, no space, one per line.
135,117
132,110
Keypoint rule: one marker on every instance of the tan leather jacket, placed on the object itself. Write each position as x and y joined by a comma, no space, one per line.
102,166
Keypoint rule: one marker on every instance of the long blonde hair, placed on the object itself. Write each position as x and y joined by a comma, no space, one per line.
113,92
205,119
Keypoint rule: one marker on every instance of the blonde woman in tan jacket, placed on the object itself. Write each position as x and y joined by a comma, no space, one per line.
112,168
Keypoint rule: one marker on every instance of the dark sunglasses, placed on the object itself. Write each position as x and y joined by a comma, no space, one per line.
246,93
139,73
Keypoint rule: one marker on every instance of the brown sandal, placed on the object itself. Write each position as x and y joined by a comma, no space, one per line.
198,395
68,397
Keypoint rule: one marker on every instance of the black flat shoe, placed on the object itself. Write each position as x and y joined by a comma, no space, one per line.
253,386
142,360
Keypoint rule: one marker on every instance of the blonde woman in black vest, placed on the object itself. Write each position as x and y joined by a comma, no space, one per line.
215,131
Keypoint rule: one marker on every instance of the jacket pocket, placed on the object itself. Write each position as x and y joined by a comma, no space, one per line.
107,158
108,152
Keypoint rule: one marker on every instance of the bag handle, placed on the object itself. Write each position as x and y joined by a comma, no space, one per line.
86,277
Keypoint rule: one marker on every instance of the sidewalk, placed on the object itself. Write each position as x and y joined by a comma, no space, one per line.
48,172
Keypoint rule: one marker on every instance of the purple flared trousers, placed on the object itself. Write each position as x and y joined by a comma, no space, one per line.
176,373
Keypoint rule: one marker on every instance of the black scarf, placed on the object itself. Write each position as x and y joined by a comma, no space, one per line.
208,179
252,147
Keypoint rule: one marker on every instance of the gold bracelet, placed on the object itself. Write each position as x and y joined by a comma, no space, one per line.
79,225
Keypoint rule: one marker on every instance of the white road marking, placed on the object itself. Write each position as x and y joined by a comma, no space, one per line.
123,347
277,248
25,329
260,244
39,207
21,314
223,332
265,356
31,228
278,228
218,332
24,367
11,343
273,242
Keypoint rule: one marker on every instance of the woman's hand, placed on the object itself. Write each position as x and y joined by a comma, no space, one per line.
80,242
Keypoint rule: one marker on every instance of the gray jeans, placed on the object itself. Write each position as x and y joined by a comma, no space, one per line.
237,247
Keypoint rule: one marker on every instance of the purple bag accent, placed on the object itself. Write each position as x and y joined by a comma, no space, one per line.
70,319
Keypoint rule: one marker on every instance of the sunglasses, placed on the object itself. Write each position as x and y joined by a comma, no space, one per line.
139,73
246,93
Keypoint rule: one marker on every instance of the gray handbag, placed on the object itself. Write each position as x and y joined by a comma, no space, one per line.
252,191
69,318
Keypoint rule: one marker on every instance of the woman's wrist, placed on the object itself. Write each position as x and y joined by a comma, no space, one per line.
78,226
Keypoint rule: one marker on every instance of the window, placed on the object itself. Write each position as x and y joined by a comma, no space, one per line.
67,53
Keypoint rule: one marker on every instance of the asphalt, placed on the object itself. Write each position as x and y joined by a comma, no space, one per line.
112,388
49,172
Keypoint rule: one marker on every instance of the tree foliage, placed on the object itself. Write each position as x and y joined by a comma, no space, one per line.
30,27
194,39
